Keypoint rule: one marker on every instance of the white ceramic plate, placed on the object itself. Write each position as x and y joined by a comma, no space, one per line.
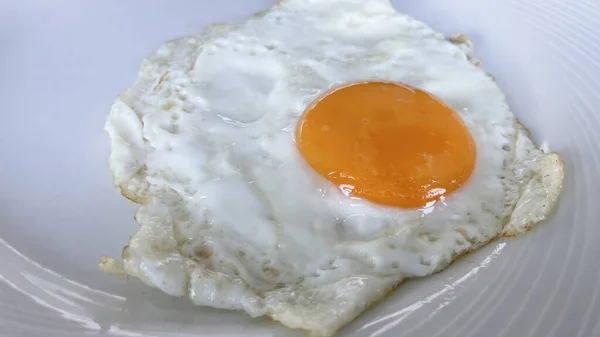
61,65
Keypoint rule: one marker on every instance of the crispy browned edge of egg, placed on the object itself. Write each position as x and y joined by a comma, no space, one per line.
456,39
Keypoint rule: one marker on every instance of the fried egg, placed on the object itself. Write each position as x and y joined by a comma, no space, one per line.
302,163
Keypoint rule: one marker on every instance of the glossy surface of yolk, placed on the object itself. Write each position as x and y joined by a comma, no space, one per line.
387,143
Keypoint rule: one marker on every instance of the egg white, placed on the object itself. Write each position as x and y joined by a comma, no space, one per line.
232,217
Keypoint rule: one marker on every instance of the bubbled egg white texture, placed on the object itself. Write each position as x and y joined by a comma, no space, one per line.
232,216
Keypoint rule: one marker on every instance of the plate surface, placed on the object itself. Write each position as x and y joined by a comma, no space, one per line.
63,62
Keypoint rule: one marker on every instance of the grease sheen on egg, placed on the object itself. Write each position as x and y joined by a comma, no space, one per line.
233,216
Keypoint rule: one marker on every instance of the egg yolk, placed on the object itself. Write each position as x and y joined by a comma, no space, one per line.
388,143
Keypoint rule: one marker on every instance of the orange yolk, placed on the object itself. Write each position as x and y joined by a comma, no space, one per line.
388,143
